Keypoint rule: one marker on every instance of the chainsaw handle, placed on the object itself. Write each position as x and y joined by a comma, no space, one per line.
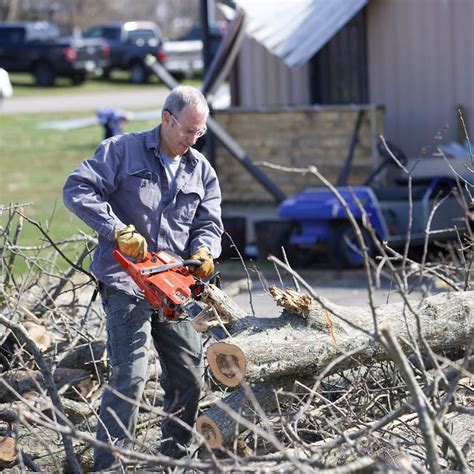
126,263
120,257
194,263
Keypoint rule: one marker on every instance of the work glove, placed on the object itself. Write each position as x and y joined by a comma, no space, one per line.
207,267
131,243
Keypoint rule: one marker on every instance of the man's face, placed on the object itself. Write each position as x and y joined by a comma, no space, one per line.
181,131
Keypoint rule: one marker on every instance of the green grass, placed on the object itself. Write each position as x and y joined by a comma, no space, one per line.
35,163
23,85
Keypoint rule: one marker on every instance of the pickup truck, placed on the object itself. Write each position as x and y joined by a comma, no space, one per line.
129,43
183,57
39,49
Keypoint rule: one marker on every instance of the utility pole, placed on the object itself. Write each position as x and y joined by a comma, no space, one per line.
206,56
206,40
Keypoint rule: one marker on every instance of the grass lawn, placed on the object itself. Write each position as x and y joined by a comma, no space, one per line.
23,85
35,163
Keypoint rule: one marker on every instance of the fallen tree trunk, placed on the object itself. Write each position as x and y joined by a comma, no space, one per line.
227,310
86,356
302,344
22,381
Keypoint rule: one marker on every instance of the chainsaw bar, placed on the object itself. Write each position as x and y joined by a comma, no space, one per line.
169,266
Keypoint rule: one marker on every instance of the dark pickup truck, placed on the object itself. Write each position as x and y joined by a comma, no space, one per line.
129,43
38,48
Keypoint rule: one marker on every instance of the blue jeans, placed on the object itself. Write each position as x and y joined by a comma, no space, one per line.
131,325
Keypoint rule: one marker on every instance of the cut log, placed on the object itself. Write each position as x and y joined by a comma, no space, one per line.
42,337
304,344
227,362
219,426
7,451
22,381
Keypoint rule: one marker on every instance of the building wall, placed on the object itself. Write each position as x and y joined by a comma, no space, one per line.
264,79
294,137
421,67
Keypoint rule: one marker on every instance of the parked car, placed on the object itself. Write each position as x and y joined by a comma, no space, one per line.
129,43
183,56
39,49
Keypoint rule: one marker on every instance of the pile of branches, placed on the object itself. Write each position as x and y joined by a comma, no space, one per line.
399,401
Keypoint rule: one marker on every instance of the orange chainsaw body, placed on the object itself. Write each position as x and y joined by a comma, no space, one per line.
165,281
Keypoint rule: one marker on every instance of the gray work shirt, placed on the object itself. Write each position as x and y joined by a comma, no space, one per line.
125,183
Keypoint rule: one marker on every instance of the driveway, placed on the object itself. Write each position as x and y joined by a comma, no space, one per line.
83,102
341,287
127,99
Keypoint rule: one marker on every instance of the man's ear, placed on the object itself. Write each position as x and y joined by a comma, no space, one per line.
166,117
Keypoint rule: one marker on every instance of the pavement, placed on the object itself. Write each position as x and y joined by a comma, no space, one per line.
127,99
341,287
83,102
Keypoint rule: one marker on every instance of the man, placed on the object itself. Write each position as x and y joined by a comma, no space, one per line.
140,191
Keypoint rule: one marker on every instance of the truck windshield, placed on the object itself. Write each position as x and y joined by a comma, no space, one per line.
135,35
12,35
107,33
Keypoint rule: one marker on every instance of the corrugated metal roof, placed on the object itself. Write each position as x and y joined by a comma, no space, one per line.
296,30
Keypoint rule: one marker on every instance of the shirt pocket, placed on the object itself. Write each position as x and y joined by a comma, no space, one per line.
187,202
143,186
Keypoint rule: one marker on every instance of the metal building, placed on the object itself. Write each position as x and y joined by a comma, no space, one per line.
415,57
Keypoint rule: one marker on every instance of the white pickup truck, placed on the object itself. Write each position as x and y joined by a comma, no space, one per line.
182,59
183,56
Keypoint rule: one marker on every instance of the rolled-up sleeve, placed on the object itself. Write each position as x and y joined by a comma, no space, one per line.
207,228
87,187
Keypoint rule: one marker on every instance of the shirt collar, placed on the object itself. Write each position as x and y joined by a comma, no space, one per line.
152,141
152,138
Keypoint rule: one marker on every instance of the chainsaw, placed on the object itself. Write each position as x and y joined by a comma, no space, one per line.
166,282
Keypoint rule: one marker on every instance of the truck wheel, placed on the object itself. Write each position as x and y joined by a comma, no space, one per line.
78,78
105,73
44,75
179,76
138,74
344,250
298,257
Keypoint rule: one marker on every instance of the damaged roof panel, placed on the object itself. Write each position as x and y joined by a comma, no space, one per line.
295,30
